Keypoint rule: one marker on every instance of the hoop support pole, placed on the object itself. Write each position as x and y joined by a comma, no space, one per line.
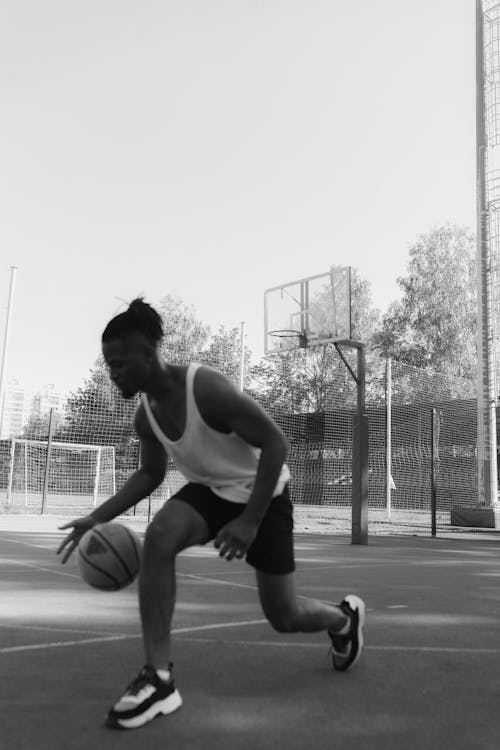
360,475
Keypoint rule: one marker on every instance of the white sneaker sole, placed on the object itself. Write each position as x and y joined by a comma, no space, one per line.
166,706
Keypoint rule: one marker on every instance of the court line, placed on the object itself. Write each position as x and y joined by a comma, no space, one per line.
106,639
253,644
64,644
301,644
51,629
29,544
35,567
217,580
254,588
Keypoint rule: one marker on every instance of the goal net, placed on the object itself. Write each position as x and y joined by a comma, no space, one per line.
69,475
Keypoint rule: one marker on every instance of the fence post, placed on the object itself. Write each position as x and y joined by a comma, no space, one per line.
114,471
25,474
149,496
11,471
435,423
97,473
388,435
47,460
138,467
242,355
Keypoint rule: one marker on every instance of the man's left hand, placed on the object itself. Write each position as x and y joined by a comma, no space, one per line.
234,539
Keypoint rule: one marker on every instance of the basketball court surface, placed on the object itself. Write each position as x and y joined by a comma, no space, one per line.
428,677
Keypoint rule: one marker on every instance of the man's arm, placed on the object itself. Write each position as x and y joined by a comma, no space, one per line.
226,409
257,428
139,485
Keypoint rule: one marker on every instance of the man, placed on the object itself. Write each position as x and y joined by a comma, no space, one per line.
232,455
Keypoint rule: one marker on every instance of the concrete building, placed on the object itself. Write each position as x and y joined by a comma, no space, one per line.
20,405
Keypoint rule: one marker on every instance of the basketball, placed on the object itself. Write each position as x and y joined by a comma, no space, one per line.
109,556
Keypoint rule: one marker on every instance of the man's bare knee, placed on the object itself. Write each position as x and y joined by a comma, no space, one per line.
173,529
283,621
159,542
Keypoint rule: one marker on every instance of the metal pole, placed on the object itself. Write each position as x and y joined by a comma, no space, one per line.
361,379
487,438
149,496
97,473
114,470
242,355
134,510
13,270
25,474
11,471
434,417
47,460
388,435
360,457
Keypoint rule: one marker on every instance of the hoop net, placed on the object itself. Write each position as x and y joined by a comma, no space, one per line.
289,338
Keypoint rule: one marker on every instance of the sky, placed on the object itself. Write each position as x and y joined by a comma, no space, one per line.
215,148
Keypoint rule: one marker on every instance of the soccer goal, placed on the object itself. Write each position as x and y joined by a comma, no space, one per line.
61,475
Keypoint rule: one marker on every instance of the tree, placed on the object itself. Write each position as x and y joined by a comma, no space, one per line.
185,335
224,353
434,324
37,426
277,383
97,414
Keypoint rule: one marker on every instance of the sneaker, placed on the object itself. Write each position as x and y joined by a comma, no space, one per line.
146,697
346,648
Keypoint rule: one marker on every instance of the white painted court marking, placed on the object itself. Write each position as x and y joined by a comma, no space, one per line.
241,585
38,568
105,639
397,606
64,644
28,544
218,580
51,629
197,628
301,644
253,644
34,566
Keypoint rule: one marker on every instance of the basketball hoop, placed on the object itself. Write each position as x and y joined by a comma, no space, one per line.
290,336
308,312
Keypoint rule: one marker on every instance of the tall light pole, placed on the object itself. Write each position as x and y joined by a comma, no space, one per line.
488,195
242,355
13,270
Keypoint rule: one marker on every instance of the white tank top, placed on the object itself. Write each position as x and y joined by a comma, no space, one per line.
222,461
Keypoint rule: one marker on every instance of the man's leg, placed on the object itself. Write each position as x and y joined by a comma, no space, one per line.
153,691
289,613
176,526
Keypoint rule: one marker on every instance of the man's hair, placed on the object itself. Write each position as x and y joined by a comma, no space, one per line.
138,318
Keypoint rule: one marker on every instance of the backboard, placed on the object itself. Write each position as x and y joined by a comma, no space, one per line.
311,311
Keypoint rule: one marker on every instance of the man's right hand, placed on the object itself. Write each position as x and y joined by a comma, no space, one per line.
79,526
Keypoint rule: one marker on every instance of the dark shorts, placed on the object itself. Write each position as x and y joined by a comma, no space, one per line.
272,550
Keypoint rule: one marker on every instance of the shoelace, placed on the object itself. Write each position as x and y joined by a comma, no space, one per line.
140,682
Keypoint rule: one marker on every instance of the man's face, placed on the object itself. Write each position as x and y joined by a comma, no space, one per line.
129,363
